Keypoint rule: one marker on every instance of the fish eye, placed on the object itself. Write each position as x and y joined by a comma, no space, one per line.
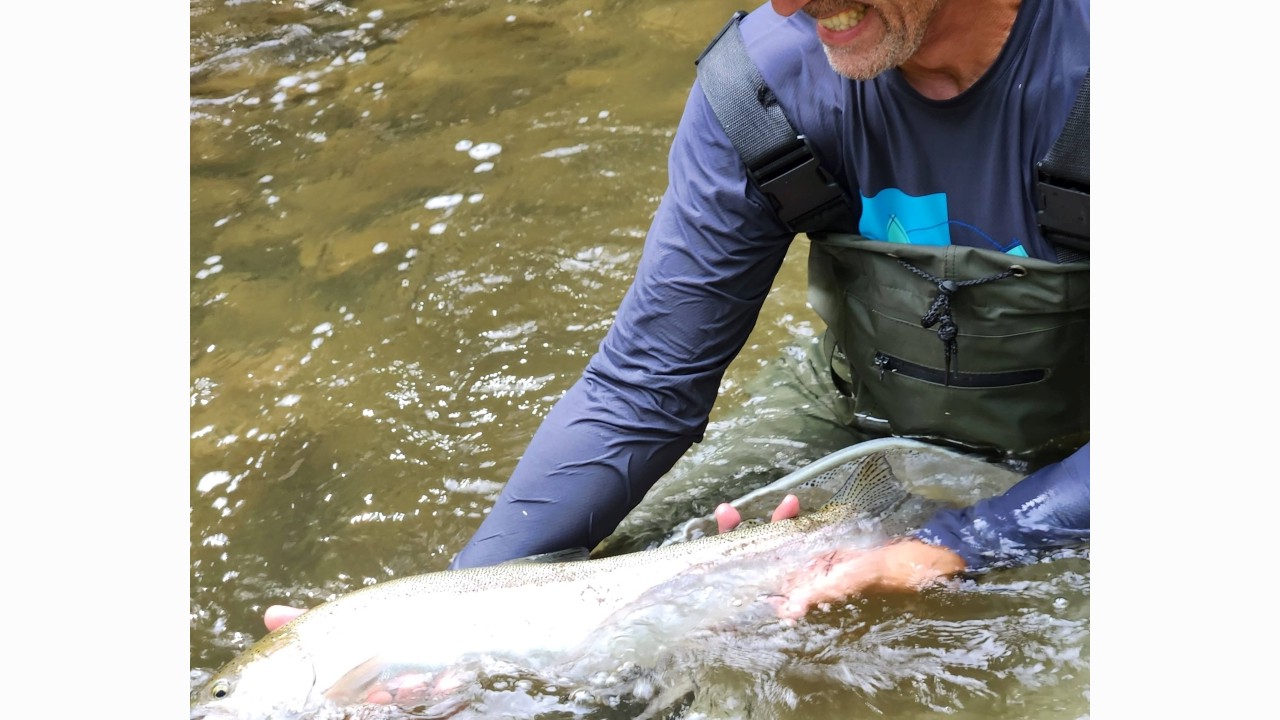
220,689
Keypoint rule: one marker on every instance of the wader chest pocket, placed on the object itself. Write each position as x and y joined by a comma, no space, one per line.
1017,379
889,363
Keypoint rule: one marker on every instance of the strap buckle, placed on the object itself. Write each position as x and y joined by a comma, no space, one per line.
799,188
1062,212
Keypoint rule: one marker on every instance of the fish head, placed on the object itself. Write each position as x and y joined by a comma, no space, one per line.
275,679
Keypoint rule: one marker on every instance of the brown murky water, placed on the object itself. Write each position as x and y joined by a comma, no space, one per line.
411,223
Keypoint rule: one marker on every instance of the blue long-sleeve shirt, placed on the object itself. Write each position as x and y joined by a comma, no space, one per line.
1047,509
954,171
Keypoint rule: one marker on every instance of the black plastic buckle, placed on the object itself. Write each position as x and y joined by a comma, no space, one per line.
737,17
1063,213
797,185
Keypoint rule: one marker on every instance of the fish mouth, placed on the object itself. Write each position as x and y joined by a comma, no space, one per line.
206,712
217,712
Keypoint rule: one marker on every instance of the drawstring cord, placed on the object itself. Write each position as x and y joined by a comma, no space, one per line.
939,312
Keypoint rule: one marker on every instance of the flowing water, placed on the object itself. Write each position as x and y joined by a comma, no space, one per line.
411,223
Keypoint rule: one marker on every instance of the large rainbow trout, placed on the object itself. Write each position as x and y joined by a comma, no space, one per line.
561,619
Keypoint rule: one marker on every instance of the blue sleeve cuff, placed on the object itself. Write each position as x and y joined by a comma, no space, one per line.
1046,510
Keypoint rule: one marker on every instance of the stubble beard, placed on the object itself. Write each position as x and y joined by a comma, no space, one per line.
904,33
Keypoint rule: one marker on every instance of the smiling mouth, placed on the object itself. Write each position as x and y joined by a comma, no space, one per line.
844,20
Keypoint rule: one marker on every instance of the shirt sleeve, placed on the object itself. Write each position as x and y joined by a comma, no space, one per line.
710,257
1048,509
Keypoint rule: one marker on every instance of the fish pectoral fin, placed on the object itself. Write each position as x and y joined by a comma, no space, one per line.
559,556
355,685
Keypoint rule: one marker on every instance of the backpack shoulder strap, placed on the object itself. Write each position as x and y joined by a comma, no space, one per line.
1062,186
779,160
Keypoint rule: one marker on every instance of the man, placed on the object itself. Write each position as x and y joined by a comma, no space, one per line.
930,116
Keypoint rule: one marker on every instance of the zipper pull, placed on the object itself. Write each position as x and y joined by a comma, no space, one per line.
881,361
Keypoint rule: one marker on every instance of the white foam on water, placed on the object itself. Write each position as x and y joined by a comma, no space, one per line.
484,151
212,480
565,151
443,202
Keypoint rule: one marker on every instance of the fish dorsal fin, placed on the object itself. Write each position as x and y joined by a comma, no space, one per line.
559,556
871,490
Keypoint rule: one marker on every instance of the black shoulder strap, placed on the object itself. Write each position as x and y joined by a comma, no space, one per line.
778,159
1062,183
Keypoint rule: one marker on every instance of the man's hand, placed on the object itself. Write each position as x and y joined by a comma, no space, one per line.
903,565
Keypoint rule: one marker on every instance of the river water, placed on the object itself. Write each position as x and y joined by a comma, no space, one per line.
411,223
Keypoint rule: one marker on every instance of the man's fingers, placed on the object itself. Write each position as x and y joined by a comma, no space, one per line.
788,508
278,615
727,517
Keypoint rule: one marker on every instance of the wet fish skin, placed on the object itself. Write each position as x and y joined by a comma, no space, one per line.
537,615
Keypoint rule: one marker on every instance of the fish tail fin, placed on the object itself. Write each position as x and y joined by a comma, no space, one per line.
871,490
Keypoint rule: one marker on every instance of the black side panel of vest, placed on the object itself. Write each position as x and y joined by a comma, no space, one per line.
1062,188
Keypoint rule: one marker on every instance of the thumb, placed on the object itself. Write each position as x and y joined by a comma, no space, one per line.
278,615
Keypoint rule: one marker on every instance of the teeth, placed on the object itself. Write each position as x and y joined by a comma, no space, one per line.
844,20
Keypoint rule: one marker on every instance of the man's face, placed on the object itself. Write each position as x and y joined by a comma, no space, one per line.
863,40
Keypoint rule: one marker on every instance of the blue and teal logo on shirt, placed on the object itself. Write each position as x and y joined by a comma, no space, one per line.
894,216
